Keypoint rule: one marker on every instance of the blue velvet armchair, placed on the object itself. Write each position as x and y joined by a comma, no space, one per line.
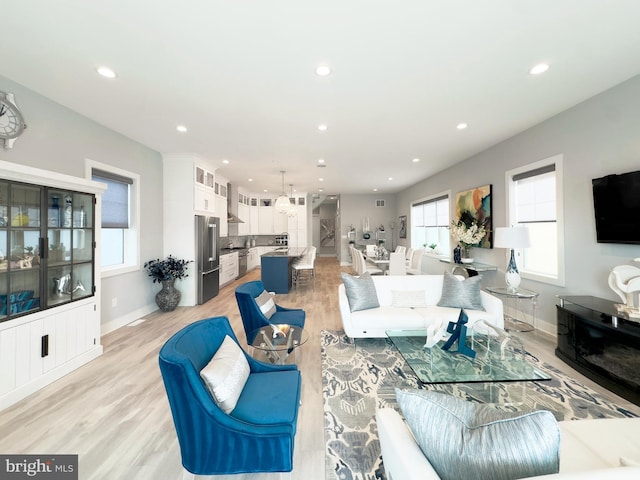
252,316
257,435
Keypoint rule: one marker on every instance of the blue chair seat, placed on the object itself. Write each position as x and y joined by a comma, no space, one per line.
270,398
292,317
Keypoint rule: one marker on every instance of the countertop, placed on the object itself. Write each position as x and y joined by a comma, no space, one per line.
285,252
226,251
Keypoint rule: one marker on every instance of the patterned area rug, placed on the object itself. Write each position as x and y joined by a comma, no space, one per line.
359,378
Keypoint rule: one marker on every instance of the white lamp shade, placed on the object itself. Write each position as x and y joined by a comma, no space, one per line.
283,205
511,237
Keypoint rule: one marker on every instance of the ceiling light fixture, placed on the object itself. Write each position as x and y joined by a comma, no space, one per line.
106,72
375,189
321,160
282,202
539,68
390,178
225,161
322,127
415,160
461,126
181,128
323,70
250,180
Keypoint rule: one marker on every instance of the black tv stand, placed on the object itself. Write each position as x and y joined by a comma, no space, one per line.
601,343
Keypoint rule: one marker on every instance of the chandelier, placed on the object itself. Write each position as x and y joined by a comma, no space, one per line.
283,205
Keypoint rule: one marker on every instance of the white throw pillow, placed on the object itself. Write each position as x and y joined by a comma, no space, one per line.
226,374
408,298
266,304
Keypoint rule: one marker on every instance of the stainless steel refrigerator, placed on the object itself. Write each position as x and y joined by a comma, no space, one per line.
208,257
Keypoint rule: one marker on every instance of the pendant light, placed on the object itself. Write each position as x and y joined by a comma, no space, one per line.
282,202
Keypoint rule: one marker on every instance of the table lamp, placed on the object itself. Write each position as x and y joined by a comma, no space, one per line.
511,237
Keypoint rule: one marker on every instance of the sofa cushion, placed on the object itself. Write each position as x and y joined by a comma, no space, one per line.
463,439
226,374
266,304
361,292
463,293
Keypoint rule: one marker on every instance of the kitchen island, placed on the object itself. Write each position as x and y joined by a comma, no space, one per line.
276,268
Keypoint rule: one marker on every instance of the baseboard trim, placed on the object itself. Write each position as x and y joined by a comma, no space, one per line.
116,323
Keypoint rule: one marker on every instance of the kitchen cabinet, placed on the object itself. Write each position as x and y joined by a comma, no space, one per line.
220,192
204,200
49,280
229,268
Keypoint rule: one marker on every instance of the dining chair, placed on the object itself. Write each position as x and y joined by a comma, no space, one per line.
397,264
401,249
416,263
367,267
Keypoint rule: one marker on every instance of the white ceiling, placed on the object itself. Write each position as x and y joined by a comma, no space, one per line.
240,75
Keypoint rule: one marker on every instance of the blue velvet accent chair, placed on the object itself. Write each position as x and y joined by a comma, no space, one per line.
257,435
252,316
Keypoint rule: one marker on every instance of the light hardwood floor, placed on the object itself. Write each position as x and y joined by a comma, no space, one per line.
114,412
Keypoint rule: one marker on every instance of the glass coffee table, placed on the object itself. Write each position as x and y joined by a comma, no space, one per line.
277,342
500,357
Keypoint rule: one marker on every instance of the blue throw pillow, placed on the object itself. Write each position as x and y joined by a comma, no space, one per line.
361,292
461,293
463,439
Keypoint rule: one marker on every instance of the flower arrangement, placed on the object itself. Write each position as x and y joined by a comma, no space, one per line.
466,231
167,269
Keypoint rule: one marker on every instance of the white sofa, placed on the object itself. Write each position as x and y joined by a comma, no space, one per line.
589,449
375,322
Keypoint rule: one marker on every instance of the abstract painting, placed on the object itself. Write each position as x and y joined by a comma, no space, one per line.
327,232
403,227
475,204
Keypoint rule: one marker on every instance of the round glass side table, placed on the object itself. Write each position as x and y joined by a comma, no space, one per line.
511,322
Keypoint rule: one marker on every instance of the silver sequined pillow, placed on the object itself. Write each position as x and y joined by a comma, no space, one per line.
361,292
461,293
463,439
226,374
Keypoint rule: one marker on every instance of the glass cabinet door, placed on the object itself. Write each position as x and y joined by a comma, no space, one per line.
19,249
69,273
46,247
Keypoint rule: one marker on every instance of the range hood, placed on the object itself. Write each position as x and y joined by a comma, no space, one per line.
232,205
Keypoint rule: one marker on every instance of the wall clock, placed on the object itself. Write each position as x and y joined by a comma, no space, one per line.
11,122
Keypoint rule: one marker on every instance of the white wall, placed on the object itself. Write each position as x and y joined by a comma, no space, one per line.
353,208
597,137
60,140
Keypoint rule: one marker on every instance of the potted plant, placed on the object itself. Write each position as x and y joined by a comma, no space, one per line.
166,272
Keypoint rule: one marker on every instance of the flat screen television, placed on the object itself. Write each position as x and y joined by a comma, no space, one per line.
616,202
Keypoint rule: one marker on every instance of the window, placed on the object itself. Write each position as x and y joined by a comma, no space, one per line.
535,202
119,232
430,223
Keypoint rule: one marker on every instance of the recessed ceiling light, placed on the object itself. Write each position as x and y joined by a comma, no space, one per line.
461,126
321,179
265,190
321,160
390,178
415,160
225,161
322,127
539,68
321,189
106,72
323,70
181,128
250,180
375,189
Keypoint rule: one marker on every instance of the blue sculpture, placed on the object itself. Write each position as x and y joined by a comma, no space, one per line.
458,331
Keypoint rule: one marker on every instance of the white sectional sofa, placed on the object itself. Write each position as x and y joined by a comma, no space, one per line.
589,449
410,302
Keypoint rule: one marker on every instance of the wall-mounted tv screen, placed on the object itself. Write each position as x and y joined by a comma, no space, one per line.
616,202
